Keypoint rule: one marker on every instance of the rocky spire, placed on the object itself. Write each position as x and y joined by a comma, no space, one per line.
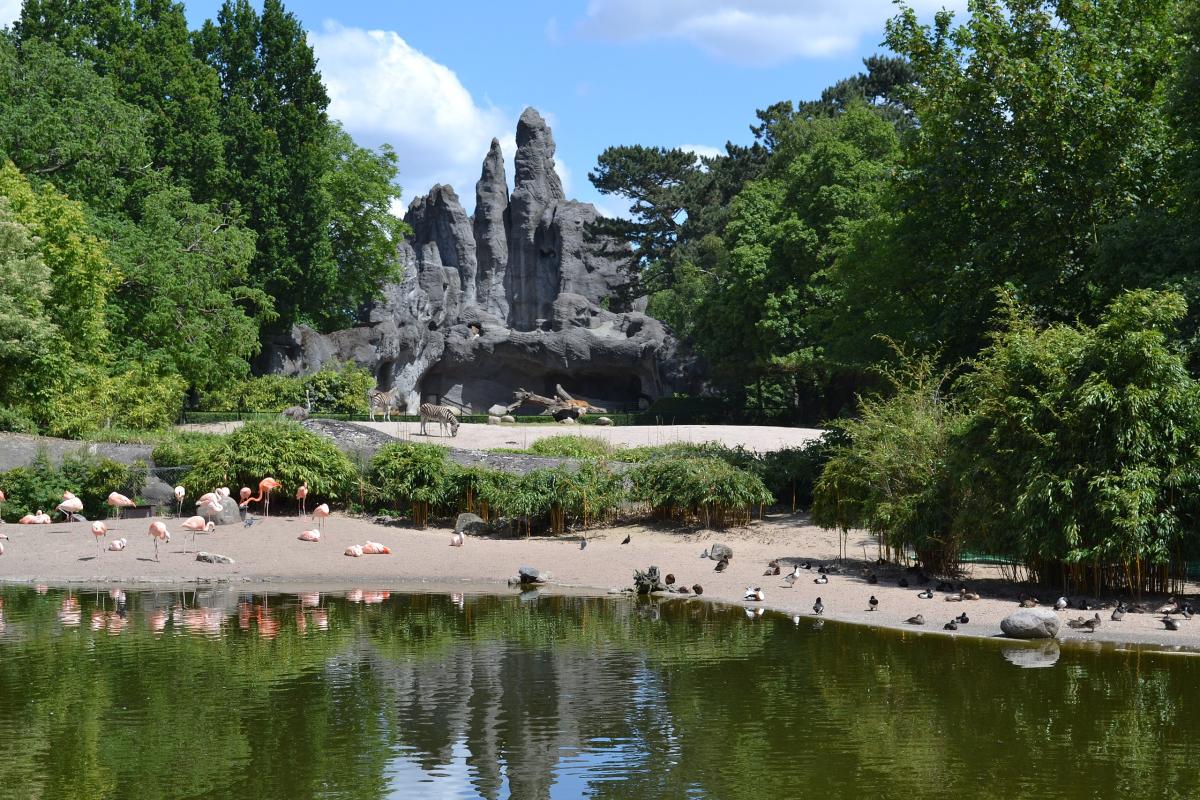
491,233
438,218
531,290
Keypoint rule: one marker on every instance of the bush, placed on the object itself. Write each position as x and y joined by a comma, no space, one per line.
16,421
279,449
416,474
334,389
41,485
706,489
144,399
568,446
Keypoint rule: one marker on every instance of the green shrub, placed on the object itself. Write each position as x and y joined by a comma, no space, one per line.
568,446
41,485
16,421
706,489
414,473
145,399
279,449
334,389
339,390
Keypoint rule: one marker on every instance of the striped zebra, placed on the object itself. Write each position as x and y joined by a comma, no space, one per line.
440,414
379,399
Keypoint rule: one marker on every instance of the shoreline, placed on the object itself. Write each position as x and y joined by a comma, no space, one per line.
268,556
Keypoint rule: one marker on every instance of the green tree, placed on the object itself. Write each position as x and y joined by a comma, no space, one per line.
26,330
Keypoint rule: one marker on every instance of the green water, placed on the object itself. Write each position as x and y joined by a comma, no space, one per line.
221,695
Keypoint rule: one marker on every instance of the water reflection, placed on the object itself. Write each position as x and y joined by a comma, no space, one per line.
370,694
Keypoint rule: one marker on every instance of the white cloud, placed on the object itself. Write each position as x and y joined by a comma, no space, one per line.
705,150
751,32
384,90
10,10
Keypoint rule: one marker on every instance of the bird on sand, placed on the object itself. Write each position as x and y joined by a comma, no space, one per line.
818,607
118,501
320,513
1029,602
789,580
1118,613
1170,624
457,540
582,543
1090,625
753,593
40,518
705,553
925,595
873,603
669,580
821,579
697,588
180,493
196,524
962,619
627,539
1169,607
265,487
950,626
302,498
917,620
721,565
248,521
70,506
772,569
1060,604
158,530
99,530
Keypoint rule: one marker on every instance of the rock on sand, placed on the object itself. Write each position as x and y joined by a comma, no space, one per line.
1030,623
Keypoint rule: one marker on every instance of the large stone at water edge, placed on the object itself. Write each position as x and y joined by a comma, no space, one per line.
720,551
470,524
529,574
1030,623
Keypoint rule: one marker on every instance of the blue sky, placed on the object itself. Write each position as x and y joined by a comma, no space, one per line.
439,80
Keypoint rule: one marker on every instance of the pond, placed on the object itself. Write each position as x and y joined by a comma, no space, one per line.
365,694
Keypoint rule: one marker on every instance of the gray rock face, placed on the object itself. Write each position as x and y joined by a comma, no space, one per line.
528,574
1030,623
519,296
229,514
717,552
470,524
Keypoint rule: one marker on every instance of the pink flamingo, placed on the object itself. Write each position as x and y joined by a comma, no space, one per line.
265,487
118,544
99,530
40,518
159,531
320,513
70,506
195,524
180,492
301,496
376,549
244,495
119,501
310,536
456,540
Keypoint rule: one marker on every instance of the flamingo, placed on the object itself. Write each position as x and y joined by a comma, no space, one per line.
310,536
118,544
354,550
223,491
159,531
118,501
40,518
456,540
99,530
265,486
195,524
244,495
376,549
69,506
180,492
301,495
1,548
320,513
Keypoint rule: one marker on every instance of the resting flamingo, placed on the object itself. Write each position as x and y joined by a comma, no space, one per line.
301,496
40,518
195,524
180,492
99,530
159,531
265,486
118,544
223,491
310,536
119,501
70,506
320,513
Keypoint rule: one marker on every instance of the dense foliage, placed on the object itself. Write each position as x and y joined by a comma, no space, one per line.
169,196
41,484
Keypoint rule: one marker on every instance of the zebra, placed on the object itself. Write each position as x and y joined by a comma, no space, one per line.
440,414
379,399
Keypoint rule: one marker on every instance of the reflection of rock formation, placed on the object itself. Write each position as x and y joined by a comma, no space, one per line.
514,297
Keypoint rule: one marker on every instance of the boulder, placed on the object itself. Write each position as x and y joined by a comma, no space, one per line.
498,410
470,524
213,558
229,514
567,421
508,419
603,421
1030,623
527,574
493,419
158,493
718,552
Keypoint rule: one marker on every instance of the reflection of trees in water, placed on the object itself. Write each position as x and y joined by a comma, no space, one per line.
694,700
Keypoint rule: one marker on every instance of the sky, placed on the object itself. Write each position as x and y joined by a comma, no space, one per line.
439,80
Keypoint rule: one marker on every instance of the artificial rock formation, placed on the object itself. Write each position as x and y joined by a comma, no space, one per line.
517,295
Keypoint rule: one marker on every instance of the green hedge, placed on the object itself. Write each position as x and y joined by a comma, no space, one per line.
91,478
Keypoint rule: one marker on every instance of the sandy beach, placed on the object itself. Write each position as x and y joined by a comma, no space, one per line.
269,554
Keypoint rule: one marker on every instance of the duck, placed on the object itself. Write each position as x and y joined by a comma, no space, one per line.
902,583
705,553
1075,623
950,626
1118,613
682,589
1060,604
789,580
925,595
968,595
754,593
1090,625
1169,607
1082,605
818,607
805,565
954,598
873,603
721,565
772,570
962,619
1186,610
917,620
669,580
822,579
697,589
1170,624
1029,602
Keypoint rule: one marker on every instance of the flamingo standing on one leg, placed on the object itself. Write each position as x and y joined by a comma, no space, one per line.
70,506
320,513
301,496
159,531
99,530
180,492
119,501
195,524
